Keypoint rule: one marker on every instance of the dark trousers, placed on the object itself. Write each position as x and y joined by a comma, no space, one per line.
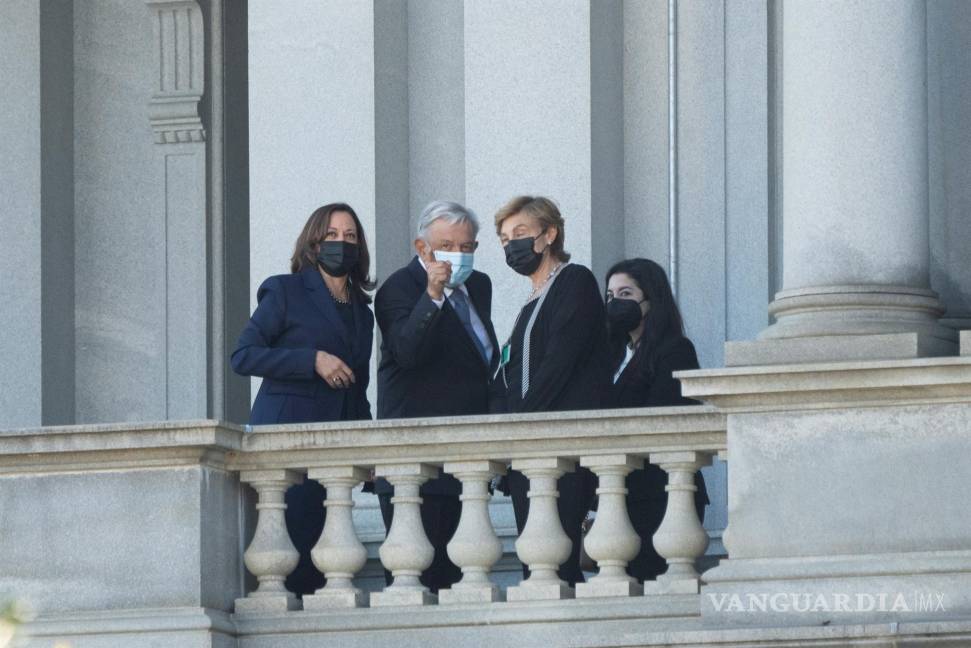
305,522
576,494
646,503
440,518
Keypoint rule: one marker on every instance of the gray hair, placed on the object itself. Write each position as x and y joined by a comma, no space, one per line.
450,212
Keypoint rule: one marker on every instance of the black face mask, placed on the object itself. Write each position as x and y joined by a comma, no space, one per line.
521,257
337,257
624,314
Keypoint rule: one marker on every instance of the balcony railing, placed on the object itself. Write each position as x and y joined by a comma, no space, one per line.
475,450
844,485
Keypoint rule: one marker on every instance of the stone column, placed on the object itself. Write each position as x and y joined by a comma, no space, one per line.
612,540
680,539
37,375
406,552
474,546
544,94
271,555
180,158
543,545
855,193
339,554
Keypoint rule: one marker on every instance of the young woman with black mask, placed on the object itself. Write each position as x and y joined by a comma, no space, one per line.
647,344
310,340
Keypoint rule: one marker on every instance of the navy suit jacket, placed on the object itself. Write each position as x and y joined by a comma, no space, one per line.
297,316
430,365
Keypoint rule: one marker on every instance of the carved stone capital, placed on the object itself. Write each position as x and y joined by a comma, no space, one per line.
180,57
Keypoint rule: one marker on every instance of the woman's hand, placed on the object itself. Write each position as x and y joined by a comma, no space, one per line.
332,369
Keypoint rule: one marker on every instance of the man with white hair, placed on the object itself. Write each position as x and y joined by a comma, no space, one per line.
438,352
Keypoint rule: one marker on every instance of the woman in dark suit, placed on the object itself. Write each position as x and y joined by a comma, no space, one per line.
310,340
647,344
556,357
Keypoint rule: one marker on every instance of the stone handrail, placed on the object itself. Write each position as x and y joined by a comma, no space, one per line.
475,450
408,452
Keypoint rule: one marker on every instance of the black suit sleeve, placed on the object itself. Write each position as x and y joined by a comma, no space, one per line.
408,327
255,354
666,389
576,316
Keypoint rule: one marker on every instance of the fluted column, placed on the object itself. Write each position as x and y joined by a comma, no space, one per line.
855,193
406,552
543,545
474,547
680,539
612,541
339,554
271,555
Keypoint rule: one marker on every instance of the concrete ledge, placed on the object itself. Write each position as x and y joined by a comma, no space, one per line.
573,623
806,386
835,348
678,607
851,566
966,343
203,627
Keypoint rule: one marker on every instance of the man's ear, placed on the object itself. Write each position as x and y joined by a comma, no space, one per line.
423,249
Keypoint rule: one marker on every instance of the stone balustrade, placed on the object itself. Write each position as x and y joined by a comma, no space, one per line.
845,484
475,450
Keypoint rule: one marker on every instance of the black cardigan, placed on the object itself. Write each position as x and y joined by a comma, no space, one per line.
569,366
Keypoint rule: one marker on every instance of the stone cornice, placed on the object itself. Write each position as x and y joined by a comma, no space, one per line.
831,384
495,437
117,446
434,441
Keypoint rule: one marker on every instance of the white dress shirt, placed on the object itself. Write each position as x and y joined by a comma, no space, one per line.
477,325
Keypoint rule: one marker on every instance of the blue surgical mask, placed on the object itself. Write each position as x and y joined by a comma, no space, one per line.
461,265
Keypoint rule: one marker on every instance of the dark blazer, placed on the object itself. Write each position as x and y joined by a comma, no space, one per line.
569,360
296,316
647,380
430,365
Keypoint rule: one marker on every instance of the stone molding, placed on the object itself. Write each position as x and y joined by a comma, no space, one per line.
819,385
434,441
180,71
117,446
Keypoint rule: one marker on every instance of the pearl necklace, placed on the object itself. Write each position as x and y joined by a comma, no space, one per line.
345,300
545,281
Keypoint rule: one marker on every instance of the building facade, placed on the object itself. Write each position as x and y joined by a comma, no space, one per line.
800,167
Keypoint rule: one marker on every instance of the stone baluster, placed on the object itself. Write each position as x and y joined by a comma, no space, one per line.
339,554
406,552
612,541
680,539
271,555
474,547
543,545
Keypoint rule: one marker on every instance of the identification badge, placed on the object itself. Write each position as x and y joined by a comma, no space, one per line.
504,357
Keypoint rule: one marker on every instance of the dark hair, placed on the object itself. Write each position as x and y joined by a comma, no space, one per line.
663,318
314,232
